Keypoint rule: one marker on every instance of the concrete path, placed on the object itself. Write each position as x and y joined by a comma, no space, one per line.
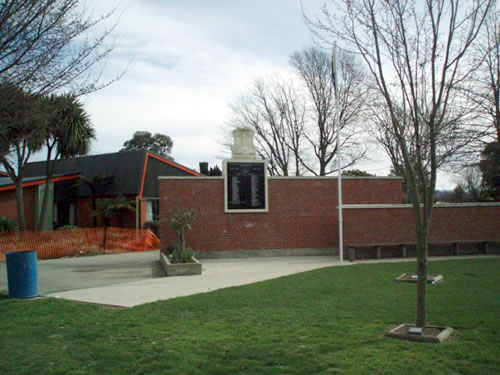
217,274
132,279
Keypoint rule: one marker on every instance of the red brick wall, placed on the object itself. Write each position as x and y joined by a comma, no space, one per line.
370,226
302,212
8,205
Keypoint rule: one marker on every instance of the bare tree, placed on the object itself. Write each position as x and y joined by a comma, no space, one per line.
314,68
52,44
484,86
294,120
276,113
415,52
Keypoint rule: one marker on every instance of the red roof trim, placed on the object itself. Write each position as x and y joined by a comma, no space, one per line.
4,174
175,165
40,182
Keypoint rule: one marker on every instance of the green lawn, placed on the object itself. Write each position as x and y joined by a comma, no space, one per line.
329,321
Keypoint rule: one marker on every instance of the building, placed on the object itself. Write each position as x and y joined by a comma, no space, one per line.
80,182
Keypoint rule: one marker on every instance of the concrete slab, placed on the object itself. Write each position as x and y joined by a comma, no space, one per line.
57,275
217,274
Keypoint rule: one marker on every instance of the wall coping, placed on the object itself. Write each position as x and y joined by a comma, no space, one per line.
286,178
437,205
190,177
335,177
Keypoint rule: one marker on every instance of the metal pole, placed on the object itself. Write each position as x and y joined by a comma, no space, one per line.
339,168
137,213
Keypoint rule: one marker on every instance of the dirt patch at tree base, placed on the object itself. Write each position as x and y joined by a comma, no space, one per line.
433,334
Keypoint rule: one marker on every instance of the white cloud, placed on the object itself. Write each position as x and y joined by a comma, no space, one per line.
190,59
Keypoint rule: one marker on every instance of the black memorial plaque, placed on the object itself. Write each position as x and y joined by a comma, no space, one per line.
246,186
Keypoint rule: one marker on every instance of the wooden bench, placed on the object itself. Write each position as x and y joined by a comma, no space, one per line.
403,246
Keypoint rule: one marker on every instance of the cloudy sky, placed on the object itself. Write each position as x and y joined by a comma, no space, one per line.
188,59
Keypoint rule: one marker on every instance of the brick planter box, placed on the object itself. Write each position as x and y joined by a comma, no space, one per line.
180,269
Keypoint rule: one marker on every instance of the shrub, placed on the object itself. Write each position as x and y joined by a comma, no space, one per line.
8,224
180,222
175,256
68,227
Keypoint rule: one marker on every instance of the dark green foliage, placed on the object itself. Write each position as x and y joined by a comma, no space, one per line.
209,171
7,224
143,140
98,186
328,321
490,167
356,173
68,133
22,132
69,227
181,221
116,207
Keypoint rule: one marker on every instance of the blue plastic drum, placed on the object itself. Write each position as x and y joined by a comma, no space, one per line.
22,274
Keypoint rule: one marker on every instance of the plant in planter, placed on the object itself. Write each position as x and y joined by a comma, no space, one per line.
179,259
180,222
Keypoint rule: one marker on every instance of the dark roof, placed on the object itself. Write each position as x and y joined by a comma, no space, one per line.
127,169
6,183
3,174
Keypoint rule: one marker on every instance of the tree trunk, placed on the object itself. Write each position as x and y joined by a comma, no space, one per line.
20,205
94,212
45,202
182,243
422,247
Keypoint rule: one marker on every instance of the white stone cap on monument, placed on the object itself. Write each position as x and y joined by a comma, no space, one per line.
243,147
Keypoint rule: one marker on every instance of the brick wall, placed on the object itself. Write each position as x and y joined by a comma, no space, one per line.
8,206
302,212
385,225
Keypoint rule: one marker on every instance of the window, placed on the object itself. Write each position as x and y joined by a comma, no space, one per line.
245,186
153,210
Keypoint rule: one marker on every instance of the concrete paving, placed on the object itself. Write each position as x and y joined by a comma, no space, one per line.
56,275
132,279
217,274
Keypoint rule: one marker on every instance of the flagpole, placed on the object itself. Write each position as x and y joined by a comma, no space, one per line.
339,168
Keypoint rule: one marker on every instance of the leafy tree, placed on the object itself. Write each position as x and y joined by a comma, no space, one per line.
49,45
212,171
180,222
111,207
98,186
490,168
143,140
22,133
356,173
68,134
8,224
416,54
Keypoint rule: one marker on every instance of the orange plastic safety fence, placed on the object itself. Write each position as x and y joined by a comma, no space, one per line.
62,243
